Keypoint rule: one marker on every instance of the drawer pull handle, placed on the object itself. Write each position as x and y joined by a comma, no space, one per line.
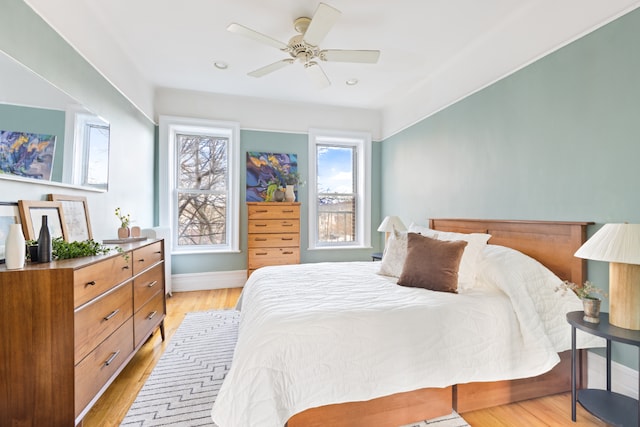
260,239
261,253
287,225
112,358
261,211
287,253
141,260
91,283
151,315
287,238
261,225
152,284
113,313
158,252
287,210
126,267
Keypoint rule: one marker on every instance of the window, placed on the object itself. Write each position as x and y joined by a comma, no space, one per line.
87,150
339,189
95,154
200,169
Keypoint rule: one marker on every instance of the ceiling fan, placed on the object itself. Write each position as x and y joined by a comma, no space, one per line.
304,46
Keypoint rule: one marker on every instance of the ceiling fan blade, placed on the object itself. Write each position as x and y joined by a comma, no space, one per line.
323,19
337,55
253,34
271,68
317,75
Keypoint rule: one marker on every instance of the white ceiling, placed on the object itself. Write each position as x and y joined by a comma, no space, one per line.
435,51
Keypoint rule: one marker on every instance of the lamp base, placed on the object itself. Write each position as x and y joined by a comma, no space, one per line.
624,295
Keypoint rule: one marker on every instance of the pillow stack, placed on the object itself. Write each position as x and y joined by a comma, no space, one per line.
435,260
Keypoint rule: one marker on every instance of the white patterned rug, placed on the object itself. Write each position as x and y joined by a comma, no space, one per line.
184,384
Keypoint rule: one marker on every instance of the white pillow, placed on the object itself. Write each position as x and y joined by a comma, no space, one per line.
395,252
469,262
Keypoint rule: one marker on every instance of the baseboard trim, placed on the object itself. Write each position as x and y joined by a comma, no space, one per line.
624,380
208,281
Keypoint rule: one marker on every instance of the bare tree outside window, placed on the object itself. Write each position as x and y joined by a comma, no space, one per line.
202,183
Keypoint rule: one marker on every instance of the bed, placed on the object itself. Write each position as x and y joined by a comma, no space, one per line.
405,354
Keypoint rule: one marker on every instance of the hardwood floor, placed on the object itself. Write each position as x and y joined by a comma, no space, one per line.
115,402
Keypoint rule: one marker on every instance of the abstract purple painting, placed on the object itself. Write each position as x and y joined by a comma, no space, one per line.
27,154
266,172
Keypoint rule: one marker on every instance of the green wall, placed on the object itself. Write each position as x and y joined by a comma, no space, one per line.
558,140
280,142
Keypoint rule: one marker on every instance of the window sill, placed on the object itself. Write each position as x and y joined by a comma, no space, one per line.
205,251
340,248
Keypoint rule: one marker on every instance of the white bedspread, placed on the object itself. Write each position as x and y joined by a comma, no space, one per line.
317,334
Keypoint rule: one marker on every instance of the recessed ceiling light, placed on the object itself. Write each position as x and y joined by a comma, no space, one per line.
352,82
221,65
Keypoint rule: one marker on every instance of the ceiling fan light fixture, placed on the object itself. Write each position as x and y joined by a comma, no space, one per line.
221,65
304,46
352,82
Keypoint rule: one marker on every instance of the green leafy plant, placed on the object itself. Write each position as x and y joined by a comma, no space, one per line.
62,249
586,291
292,178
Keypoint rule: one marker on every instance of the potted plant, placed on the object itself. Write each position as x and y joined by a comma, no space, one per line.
291,179
590,301
125,220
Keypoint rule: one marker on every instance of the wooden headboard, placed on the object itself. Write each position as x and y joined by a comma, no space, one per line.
551,243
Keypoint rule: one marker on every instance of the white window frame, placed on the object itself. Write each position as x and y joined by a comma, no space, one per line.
168,193
76,146
361,141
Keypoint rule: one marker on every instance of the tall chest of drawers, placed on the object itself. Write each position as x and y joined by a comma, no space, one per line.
68,328
273,234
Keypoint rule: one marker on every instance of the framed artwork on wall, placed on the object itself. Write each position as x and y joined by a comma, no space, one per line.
28,155
31,212
76,216
266,172
9,214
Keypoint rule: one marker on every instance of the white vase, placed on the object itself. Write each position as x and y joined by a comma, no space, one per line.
14,248
289,195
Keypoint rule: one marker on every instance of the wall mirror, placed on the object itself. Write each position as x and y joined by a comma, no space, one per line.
47,137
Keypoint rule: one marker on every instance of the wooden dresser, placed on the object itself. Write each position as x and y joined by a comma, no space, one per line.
67,329
273,234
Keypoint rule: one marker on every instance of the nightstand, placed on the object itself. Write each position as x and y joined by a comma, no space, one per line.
613,408
376,256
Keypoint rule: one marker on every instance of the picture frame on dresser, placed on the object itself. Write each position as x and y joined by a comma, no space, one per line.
9,214
76,216
31,212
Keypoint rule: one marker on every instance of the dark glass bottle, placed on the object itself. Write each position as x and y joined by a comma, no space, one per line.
44,242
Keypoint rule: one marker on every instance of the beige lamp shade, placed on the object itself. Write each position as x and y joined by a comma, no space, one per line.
619,244
613,243
390,222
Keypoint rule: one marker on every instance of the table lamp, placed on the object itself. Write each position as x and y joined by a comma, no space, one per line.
388,224
619,244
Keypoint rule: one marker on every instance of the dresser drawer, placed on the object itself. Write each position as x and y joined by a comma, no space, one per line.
261,257
95,279
148,317
274,226
273,211
147,285
265,240
146,256
96,321
99,366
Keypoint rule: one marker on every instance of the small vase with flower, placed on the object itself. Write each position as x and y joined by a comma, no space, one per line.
123,231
